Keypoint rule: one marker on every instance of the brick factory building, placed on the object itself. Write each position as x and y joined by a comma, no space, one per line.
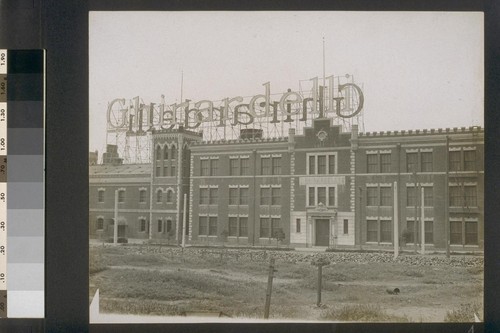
323,188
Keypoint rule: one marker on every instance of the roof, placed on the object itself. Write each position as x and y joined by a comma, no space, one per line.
120,170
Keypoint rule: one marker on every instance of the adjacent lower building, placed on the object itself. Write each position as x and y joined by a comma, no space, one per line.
323,188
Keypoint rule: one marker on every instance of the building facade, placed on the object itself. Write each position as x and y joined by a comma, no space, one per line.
323,188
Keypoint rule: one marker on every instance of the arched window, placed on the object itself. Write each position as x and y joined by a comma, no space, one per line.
158,153
165,153
170,196
159,196
174,153
100,223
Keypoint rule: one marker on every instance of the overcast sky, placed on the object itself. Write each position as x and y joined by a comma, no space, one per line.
417,70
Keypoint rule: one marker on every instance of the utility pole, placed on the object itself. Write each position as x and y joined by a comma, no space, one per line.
184,218
415,228
422,220
396,221
269,288
115,227
447,199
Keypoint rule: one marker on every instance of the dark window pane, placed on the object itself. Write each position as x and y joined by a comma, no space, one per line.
385,231
265,196
372,163
312,165
385,162
411,162
331,164
371,231
265,228
469,160
471,233
233,226
385,196
321,164
311,196
372,196
331,196
456,232
203,226
212,226
426,161
454,161
322,195
233,196
243,227
276,196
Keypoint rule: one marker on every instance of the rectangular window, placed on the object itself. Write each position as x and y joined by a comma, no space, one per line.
212,200
100,224
265,227
385,196
321,165
276,195
213,167
233,196
471,233
142,196
142,225
456,232
426,161
158,171
331,196
385,231
312,165
172,171
160,226
100,196
243,195
205,164
233,226
322,195
169,225
297,225
454,161
372,163
311,196
276,165
234,167
265,196
411,199
212,226
470,196
204,196
385,163
165,170
456,199
243,232
372,196
410,227
331,164
245,166
265,166
411,162
428,196
121,196
429,232
469,160
346,226
275,227
371,231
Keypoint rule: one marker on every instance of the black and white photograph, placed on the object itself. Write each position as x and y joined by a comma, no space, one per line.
286,166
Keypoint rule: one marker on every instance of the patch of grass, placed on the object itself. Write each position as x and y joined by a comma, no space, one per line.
96,263
475,270
464,313
140,307
361,312
413,273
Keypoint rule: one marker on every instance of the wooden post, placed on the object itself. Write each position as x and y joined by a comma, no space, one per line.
320,275
184,220
269,288
396,221
447,199
422,221
115,227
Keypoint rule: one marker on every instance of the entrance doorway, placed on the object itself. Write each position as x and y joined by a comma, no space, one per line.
322,232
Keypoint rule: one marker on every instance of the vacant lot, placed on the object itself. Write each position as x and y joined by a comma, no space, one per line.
168,281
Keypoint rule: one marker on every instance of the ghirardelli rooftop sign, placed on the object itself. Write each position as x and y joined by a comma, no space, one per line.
138,118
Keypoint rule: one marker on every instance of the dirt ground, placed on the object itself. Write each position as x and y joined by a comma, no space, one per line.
156,281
